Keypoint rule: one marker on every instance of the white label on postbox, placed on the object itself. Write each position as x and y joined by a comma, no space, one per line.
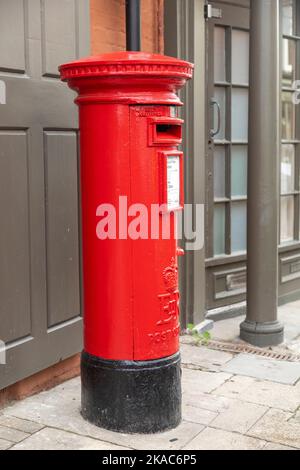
173,182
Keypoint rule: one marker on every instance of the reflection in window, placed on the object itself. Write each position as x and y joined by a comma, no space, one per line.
239,110
287,12
288,116
287,169
239,170
220,96
219,171
288,62
240,57
219,229
219,54
239,227
287,219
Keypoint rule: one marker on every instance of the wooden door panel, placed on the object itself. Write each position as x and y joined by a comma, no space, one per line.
40,301
14,236
12,33
59,41
62,226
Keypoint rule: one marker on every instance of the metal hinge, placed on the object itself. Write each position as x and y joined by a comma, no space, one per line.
212,12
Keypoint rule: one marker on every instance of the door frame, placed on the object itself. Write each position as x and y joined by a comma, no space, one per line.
184,28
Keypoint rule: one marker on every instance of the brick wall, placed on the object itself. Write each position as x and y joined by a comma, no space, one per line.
108,25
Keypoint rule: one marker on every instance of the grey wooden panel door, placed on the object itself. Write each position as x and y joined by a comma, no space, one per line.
40,302
227,153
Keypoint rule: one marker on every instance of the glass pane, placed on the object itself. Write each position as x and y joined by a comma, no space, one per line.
287,12
220,96
239,116
219,54
287,169
238,226
219,171
287,219
288,116
240,57
219,229
288,62
239,170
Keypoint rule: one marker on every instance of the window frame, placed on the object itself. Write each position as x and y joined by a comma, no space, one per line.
229,200
295,142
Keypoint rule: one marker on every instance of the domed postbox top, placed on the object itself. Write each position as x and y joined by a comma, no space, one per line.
132,77
126,63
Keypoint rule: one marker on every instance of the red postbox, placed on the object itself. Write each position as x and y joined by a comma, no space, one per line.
131,189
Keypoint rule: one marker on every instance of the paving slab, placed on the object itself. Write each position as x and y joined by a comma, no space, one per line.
276,426
5,444
203,357
19,424
216,439
265,369
193,414
235,386
239,417
220,411
296,417
227,330
273,446
289,314
295,304
207,401
294,346
12,435
60,408
56,439
170,440
270,394
202,381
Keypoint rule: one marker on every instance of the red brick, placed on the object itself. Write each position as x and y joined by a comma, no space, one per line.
108,25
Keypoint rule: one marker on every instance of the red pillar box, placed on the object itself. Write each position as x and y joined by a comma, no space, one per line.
132,188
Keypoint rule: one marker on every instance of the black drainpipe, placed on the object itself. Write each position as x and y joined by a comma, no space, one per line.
133,27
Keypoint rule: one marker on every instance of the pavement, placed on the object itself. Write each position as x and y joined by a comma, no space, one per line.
230,401
289,315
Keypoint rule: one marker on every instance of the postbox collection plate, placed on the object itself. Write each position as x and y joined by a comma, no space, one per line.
171,180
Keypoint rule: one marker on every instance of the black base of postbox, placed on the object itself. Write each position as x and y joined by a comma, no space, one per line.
131,397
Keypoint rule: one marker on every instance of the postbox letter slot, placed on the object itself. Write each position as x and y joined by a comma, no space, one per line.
168,131
165,131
